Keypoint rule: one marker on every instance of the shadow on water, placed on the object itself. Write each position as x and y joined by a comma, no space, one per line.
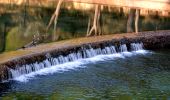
4,88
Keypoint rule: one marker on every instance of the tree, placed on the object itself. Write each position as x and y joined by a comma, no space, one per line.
96,22
133,17
3,37
54,19
137,20
130,20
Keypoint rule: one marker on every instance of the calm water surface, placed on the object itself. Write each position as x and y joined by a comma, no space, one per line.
136,77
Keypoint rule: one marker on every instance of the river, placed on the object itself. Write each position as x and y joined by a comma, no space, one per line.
142,75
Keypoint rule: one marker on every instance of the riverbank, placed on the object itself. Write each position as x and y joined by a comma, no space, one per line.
25,22
150,39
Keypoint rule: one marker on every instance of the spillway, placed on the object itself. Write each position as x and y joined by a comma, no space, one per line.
32,60
29,70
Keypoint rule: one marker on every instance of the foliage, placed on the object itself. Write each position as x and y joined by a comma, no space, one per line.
18,36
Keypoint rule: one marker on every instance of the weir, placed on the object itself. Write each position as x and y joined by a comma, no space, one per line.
30,60
104,66
82,53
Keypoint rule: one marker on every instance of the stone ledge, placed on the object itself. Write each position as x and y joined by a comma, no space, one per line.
151,40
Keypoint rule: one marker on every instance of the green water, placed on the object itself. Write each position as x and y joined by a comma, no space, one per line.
137,77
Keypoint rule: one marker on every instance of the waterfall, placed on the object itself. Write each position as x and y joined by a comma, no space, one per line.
136,46
80,54
123,48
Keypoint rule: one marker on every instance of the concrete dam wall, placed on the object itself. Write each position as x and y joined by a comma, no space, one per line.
19,61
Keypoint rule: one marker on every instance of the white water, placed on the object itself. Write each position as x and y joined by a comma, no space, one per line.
74,61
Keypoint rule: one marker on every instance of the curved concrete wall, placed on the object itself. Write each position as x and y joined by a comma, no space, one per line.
151,40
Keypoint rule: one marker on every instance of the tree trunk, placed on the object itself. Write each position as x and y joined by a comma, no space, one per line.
54,17
99,21
4,38
95,24
130,20
137,20
89,25
54,37
25,13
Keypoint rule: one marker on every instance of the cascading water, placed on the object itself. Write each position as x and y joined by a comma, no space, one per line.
123,48
28,69
136,46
